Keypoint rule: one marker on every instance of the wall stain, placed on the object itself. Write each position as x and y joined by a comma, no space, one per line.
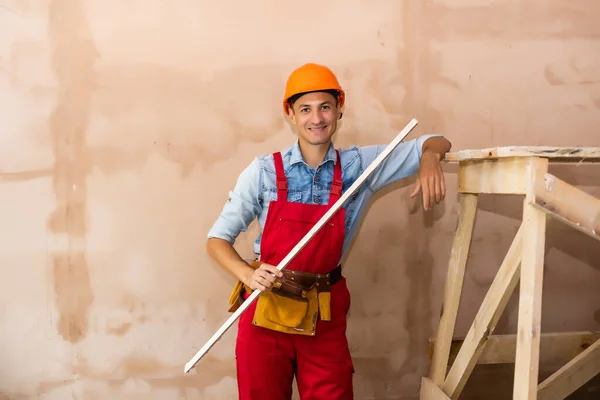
25,175
551,77
49,386
137,313
513,20
157,374
73,295
151,371
420,68
586,77
72,57
419,268
119,330
14,396
112,159
162,110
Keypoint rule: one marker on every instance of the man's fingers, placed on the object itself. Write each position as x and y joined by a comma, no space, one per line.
432,200
438,190
261,287
263,283
266,276
425,189
416,189
443,183
272,270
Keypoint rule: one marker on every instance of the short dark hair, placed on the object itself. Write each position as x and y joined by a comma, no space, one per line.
332,92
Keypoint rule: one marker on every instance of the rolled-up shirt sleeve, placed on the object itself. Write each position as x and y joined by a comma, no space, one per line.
242,207
402,162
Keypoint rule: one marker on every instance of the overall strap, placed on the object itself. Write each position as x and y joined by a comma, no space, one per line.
281,180
336,185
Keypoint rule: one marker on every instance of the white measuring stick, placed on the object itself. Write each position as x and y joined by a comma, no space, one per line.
336,206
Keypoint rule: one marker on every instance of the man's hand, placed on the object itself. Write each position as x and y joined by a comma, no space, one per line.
263,277
430,179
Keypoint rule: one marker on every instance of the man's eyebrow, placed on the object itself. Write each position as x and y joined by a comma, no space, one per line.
320,104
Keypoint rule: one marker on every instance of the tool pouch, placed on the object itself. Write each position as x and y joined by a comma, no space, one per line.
292,305
236,299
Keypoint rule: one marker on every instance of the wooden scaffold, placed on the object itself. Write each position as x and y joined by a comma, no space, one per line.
523,171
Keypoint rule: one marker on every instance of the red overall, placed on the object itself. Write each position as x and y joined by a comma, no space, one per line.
267,360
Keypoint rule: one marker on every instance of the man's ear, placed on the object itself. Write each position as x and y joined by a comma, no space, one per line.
339,110
291,114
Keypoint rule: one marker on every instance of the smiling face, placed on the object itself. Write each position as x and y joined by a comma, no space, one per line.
315,116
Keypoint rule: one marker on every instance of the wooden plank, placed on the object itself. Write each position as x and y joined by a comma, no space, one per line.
504,176
565,154
568,204
530,296
555,347
486,319
430,391
572,376
453,286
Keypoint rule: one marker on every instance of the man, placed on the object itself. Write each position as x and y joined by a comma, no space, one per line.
297,327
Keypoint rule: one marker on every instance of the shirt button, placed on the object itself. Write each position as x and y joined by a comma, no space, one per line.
316,178
317,199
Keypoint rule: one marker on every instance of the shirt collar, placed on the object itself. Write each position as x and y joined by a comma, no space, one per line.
296,154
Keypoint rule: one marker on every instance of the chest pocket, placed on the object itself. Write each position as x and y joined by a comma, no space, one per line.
294,196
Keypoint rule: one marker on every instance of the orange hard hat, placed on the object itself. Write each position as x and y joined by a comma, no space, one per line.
310,78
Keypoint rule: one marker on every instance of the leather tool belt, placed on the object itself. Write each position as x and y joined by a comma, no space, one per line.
294,302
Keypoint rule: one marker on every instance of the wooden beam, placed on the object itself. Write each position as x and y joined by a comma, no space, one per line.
430,391
486,319
565,154
518,170
453,286
505,176
530,296
555,347
568,204
572,376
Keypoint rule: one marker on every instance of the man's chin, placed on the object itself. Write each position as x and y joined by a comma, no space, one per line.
319,137
319,141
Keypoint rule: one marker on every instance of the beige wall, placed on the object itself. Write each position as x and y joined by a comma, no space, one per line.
109,181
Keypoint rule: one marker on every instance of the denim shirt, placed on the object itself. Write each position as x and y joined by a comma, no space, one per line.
256,185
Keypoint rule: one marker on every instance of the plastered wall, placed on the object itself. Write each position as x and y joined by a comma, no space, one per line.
124,124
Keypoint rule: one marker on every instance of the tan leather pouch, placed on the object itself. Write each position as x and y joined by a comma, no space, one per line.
288,307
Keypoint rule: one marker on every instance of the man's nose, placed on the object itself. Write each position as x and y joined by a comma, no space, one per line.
316,117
